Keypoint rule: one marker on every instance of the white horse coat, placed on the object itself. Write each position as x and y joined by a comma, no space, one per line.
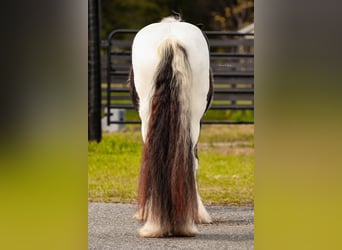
171,87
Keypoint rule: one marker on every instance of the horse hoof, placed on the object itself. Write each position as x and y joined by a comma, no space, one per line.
186,230
204,217
151,231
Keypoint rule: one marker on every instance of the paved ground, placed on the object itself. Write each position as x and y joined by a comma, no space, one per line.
111,226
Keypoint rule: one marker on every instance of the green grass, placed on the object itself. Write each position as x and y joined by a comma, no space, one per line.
113,167
235,115
225,176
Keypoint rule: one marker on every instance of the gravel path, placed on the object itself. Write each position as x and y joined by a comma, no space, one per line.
111,226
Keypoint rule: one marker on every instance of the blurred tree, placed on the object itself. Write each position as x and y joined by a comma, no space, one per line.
214,15
130,14
235,15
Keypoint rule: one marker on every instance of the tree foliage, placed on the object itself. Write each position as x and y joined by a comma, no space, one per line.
214,15
234,16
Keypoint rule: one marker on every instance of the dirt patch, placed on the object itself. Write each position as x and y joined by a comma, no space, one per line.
237,147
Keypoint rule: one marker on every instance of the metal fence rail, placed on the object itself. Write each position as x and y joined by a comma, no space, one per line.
231,59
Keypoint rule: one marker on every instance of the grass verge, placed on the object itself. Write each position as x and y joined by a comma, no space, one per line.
225,176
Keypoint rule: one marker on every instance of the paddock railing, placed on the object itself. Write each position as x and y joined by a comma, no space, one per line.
232,62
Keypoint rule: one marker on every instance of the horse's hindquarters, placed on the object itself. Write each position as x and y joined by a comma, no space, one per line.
145,59
171,79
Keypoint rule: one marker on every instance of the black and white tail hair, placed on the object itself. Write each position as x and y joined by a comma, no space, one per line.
171,88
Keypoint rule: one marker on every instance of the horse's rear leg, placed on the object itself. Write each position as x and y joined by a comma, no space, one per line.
154,230
203,215
139,215
188,229
152,227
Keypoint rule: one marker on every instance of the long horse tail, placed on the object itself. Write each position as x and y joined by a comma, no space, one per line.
167,186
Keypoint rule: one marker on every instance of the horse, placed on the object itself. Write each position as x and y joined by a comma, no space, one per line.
171,87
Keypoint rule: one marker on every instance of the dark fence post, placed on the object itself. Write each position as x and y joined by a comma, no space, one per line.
94,72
